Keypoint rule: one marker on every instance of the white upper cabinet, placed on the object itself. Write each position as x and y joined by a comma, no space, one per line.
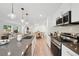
75,12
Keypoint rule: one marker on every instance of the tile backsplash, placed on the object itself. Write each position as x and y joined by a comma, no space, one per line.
69,29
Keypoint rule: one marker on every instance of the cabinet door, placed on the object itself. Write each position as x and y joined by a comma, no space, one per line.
55,50
75,12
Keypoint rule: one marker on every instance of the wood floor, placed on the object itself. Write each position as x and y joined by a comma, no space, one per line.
41,48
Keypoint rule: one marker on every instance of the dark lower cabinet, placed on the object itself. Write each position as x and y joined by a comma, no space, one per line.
55,50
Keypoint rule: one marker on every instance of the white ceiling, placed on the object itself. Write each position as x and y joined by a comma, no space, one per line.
47,10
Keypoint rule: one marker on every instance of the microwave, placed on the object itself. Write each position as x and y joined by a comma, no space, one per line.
65,19
59,21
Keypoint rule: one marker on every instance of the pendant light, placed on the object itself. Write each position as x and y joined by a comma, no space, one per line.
12,15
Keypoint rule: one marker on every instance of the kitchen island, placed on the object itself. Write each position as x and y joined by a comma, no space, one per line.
15,48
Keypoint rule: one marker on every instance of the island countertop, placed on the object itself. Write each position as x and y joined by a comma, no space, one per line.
15,48
73,47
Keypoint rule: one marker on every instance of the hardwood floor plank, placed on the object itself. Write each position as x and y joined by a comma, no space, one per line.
41,48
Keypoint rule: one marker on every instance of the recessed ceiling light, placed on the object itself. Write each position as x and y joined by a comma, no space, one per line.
41,15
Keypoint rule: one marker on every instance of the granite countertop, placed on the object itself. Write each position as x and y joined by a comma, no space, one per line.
72,46
15,48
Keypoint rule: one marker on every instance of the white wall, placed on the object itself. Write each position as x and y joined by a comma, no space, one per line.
75,12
